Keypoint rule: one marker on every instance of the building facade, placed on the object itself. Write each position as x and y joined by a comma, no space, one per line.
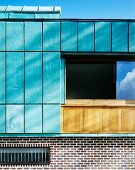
69,84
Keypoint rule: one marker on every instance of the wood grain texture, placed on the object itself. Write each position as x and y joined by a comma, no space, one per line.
128,120
110,120
72,120
91,120
99,119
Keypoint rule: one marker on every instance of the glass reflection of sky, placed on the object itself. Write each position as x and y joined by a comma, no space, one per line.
125,88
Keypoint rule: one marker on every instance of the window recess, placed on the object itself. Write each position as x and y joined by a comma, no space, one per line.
100,79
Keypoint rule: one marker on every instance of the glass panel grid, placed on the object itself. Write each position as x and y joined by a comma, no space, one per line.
14,77
15,119
14,43
2,36
77,41
120,37
102,36
33,77
33,119
24,90
69,36
51,36
132,37
86,36
33,36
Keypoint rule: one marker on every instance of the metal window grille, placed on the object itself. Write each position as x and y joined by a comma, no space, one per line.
27,156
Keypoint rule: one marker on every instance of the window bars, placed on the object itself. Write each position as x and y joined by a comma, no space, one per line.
25,156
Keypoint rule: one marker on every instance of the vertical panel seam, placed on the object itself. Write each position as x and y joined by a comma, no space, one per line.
24,72
77,35
5,55
42,77
94,37
60,35
128,37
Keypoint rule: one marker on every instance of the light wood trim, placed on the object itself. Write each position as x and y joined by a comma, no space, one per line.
85,102
108,119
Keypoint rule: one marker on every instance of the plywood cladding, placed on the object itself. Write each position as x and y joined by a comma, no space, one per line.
98,119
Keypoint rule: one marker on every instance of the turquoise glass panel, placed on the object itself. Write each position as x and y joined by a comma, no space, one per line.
51,77
15,77
21,15
47,16
102,36
2,119
2,77
63,84
51,118
33,119
33,36
132,37
14,36
2,36
69,36
85,36
33,77
15,119
54,16
125,82
119,36
51,34
3,15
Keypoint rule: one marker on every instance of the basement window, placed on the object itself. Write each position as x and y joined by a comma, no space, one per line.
24,156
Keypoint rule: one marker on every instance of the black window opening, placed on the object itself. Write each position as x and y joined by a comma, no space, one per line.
90,80
25,156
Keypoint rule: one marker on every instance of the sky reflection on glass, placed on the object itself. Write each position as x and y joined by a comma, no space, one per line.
125,80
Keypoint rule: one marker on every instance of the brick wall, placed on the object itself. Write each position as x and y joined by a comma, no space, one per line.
81,153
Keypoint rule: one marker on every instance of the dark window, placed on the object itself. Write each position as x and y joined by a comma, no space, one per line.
90,80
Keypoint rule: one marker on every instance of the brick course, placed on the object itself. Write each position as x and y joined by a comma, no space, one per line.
80,152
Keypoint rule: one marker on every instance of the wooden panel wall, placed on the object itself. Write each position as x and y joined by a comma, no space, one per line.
86,119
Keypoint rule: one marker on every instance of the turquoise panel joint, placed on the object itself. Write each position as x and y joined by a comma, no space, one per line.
15,119
14,36
47,16
102,36
15,77
33,77
33,36
132,37
2,119
63,84
21,15
3,15
2,36
51,34
51,77
119,36
69,36
2,77
33,119
85,36
51,118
